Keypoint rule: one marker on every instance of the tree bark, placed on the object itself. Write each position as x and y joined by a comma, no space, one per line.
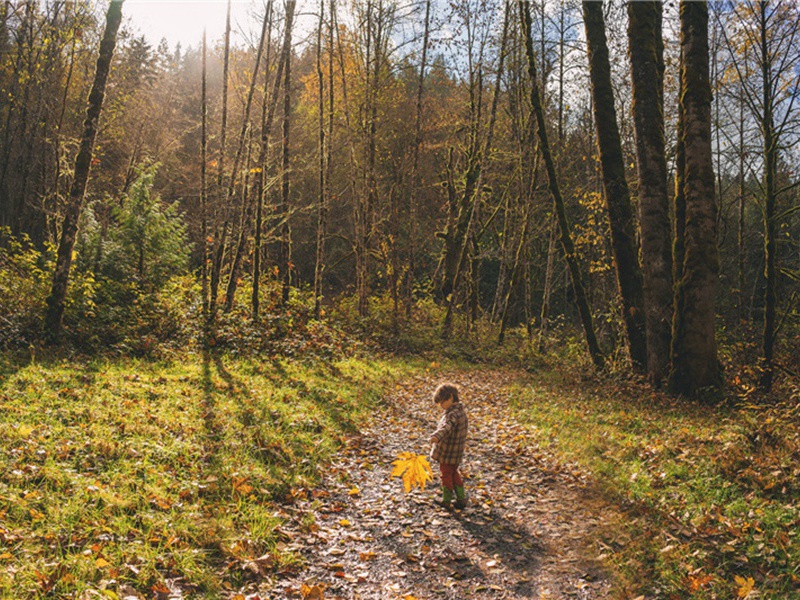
770,200
246,209
646,50
285,251
558,202
267,117
322,206
618,202
412,199
58,291
221,237
695,367
203,186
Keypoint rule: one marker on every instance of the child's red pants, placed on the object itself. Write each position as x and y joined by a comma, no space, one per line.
450,476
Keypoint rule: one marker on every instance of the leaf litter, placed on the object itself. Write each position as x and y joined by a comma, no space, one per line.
533,528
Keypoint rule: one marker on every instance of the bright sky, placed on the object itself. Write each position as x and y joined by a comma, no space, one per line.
183,20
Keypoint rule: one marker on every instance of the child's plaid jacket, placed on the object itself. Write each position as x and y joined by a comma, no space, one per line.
450,436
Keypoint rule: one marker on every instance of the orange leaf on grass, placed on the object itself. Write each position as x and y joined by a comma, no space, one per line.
745,586
414,469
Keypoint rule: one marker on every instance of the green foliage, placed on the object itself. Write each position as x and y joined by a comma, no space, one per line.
128,473
145,243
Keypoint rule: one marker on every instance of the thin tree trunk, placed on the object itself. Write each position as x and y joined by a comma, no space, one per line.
740,229
646,51
618,202
319,260
694,350
454,263
412,200
267,116
58,292
558,202
245,220
203,186
770,202
548,285
515,273
220,237
246,210
284,265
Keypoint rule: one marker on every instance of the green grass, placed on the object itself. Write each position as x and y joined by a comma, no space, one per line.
131,473
711,494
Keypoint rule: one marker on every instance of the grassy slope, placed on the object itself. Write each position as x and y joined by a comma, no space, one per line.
140,472
713,492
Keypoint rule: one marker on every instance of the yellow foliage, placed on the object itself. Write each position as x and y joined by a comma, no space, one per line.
745,586
414,469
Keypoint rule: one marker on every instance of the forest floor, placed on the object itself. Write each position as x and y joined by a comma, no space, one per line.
533,527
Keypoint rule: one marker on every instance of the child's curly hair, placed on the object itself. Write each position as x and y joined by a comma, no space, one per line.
445,391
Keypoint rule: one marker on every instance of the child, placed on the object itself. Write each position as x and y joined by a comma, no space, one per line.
448,443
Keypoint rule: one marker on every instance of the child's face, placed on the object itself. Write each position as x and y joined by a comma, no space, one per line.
446,403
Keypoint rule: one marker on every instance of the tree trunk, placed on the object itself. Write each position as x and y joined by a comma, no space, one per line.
267,116
319,260
58,292
544,314
203,186
412,200
221,237
284,264
646,49
245,221
458,251
770,202
618,202
558,202
246,210
694,349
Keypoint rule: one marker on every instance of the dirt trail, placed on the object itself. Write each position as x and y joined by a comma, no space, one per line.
531,529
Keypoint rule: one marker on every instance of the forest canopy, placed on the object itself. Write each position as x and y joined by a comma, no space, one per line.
423,171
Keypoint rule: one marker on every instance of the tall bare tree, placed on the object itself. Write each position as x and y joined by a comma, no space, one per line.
69,229
269,106
221,233
246,208
285,252
567,244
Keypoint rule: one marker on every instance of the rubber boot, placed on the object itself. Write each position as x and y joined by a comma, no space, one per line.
447,498
461,497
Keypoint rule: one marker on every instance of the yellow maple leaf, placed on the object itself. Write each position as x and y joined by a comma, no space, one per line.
313,592
414,469
745,586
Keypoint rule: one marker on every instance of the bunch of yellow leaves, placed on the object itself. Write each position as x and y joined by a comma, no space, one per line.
414,469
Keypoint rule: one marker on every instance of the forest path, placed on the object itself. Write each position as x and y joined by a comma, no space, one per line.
532,528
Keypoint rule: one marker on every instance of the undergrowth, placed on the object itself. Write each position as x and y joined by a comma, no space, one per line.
711,492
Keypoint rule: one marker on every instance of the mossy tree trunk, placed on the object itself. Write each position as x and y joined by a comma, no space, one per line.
695,367
646,49
618,201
